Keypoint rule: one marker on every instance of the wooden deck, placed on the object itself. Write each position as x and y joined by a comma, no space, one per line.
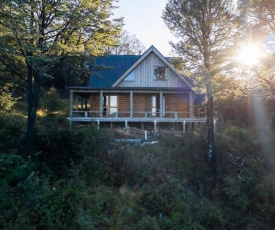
171,116
142,117
135,119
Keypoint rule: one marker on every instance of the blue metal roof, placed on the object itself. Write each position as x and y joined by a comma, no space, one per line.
119,65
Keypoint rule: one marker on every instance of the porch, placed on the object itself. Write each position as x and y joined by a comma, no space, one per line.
152,106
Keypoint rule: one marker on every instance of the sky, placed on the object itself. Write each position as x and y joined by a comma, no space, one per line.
142,18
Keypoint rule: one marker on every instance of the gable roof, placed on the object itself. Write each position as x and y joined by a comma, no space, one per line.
146,53
122,65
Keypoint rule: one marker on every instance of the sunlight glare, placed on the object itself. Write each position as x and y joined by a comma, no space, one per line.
249,55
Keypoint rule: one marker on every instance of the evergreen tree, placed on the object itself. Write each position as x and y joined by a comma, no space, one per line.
38,34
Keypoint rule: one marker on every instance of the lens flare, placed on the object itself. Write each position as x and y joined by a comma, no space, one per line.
249,54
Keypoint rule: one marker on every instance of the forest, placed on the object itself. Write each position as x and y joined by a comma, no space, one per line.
57,176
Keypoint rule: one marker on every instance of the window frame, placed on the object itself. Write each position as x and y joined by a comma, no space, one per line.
160,73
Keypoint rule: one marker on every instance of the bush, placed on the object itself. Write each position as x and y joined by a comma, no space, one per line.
237,133
12,129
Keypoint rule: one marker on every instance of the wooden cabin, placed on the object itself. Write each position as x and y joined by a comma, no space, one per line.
136,89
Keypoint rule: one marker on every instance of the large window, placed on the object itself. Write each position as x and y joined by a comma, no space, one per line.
110,105
159,72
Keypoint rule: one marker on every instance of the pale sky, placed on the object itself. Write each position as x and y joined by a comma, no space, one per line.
142,18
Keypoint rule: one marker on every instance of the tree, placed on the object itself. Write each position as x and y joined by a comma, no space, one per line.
257,23
128,44
204,28
38,34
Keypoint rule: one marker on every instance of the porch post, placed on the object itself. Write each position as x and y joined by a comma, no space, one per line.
71,102
131,103
101,103
76,103
86,103
81,103
191,104
183,127
155,126
161,104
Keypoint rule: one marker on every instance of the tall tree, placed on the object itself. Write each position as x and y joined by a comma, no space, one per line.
128,44
204,28
37,34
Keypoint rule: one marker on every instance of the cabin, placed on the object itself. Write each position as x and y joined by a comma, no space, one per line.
140,90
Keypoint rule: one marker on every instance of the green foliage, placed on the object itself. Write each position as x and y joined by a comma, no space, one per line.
37,35
53,103
239,134
80,179
11,132
6,101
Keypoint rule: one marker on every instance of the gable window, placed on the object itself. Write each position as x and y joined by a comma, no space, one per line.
130,77
159,72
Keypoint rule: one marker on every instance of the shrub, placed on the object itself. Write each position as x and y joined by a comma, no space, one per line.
237,133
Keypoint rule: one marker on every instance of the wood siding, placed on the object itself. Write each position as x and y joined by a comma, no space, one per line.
139,103
124,105
94,105
144,75
142,104
177,103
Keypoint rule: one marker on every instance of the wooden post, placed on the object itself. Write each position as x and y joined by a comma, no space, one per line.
183,127
191,104
155,126
131,103
86,103
71,102
142,125
101,103
76,103
82,104
161,104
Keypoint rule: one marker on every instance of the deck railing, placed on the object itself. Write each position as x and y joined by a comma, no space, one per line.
144,114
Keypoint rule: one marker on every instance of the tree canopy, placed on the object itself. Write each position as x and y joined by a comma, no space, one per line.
38,34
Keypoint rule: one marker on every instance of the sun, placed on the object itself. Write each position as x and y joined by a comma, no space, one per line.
249,54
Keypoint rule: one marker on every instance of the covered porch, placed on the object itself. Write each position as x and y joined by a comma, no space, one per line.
144,106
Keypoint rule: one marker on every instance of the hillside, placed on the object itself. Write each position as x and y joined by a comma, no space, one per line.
83,179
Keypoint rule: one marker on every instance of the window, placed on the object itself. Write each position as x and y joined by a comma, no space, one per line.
154,105
110,105
113,104
130,77
160,72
